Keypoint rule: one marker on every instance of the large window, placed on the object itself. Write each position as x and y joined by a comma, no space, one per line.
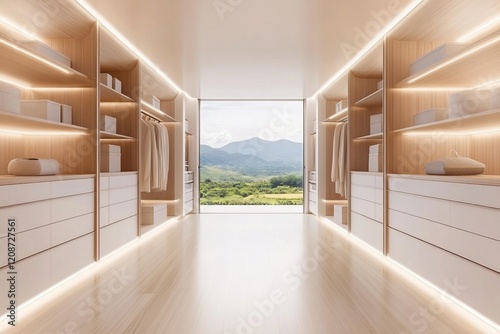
251,155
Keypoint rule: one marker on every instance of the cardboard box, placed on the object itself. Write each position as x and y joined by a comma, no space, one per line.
117,85
436,56
106,79
10,98
153,212
430,116
44,109
340,214
66,114
108,124
46,52
110,158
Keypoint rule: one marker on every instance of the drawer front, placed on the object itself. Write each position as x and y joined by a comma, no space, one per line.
104,198
24,193
122,181
70,207
110,239
122,210
379,213
379,196
425,207
475,194
188,186
362,192
312,187
104,216
368,230
420,187
104,180
476,219
367,180
28,216
379,182
188,206
71,257
128,230
363,207
313,207
188,196
122,195
71,229
71,187
27,243
313,197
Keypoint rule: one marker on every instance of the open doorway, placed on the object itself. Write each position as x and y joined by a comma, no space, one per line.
251,156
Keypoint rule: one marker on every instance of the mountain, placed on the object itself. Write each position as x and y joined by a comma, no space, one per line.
280,150
253,157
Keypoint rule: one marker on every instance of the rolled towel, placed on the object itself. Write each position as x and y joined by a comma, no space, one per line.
33,167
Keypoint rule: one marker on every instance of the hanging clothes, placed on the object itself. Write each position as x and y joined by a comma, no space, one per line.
339,158
336,145
145,177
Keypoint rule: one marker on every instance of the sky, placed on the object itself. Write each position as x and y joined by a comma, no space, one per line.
223,122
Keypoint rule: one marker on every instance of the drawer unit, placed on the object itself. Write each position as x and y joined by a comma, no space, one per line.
69,207
313,207
71,187
368,230
24,193
70,257
118,195
188,206
117,235
28,243
189,186
28,216
71,229
312,187
188,196
122,210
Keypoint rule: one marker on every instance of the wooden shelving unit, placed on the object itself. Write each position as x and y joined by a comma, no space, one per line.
372,100
22,124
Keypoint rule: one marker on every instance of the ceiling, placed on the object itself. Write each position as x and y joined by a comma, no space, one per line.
249,49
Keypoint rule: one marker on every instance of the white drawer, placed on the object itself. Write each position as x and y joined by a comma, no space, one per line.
363,192
313,187
34,276
122,210
313,207
24,193
188,196
28,216
128,230
69,207
362,179
27,243
188,186
313,197
104,198
71,257
104,182
71,187
476,219
379,213
379,196
368,230
104,216
122,195
379,182
188,206
420,187
363,207
71,229
122,181
110,239
475,194
425,207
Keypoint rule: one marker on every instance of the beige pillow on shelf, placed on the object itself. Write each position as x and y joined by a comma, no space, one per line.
33,167
455,165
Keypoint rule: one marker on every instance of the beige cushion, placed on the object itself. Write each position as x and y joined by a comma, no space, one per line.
455,165
33,167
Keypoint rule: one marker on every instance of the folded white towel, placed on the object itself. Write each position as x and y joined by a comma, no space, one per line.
33,167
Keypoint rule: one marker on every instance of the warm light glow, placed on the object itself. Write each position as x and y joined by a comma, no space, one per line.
338,115
127,43
368,47
35,56
469,36
18,29
14,82
432,89
456,58
478,131
492,84
41,133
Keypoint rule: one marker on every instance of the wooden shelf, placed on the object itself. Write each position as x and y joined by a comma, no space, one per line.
374,99
487,121
22,124
149,110
111,95
482,179
338,117
11,179
375,136
109,135
20,64
465,70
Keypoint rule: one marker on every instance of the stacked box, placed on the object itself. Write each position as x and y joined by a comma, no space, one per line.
117,85
375,124
10,98
110,158
375,158
106,79
153,212
436,56
66,114
108,124
341,106
45,51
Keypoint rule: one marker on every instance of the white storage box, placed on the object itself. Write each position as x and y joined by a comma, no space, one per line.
188,176
117,85
106,79
375,124
380,85
153,212
429,116
341,106
312,187
495,99
10,98
110,158
66,114
108,124
340,214
376,149
375,162
152,100
436,56
47,52
44,109
469,102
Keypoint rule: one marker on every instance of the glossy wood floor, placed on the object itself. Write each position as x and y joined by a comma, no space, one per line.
227,274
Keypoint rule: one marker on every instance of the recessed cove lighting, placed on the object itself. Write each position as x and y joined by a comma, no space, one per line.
469,36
